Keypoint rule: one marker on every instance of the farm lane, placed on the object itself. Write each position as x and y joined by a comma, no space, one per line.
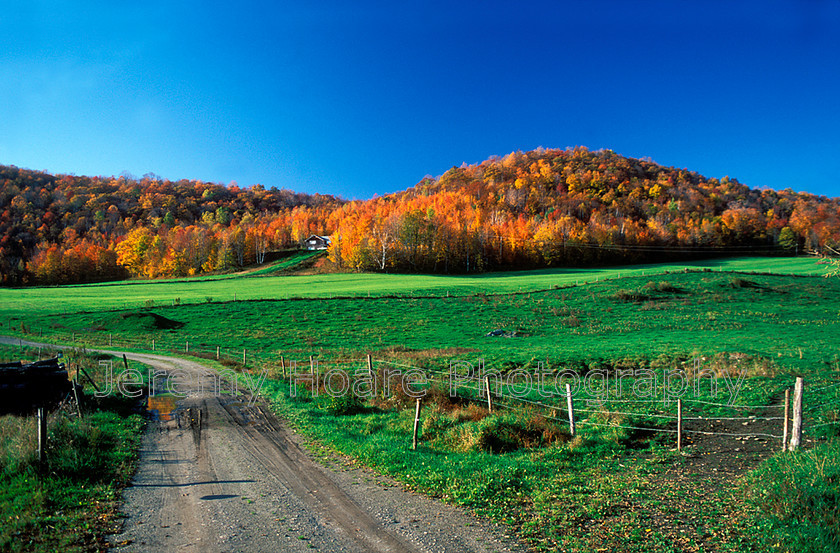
221,474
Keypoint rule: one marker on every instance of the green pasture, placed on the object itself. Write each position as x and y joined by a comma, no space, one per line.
136,294
605,488
786,321
286,263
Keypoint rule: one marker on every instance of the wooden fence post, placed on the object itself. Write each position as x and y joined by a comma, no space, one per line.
679,424
796,431
244,358
218,351
787,420
416,423
571,408
489,397
42,435
283,366
76,396
187,346
153,345
370,372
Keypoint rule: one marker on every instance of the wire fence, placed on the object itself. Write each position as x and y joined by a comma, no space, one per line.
816,415
478,394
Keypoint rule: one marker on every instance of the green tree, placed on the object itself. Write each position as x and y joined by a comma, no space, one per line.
788,239
223,215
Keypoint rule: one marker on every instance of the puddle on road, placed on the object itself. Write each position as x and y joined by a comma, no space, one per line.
161,407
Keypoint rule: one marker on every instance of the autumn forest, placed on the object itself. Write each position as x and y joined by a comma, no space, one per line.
542,208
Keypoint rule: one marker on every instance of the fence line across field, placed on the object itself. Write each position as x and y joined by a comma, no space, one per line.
753,435
735,418
654,415
825,387
485,392
822,424
815,407
587,422
689,400
609,412
680,430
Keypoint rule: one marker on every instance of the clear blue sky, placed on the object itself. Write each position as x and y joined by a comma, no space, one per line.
359,98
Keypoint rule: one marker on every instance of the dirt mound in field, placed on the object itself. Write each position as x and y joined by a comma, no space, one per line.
151,321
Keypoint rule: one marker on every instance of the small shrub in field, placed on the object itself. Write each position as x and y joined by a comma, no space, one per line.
439,398
571,322
436,424
342,404
662,287
630,296
372,426
736,282
397,397
648,292
462,431
473,412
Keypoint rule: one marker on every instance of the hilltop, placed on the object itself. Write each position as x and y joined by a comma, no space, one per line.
574,207
64,228
543,208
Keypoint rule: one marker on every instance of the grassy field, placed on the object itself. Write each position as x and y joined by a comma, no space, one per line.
611,486
789,322
285,264
136,294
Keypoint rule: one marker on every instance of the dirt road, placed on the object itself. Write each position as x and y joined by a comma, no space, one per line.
223,475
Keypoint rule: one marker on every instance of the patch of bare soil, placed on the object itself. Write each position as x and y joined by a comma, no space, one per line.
694,503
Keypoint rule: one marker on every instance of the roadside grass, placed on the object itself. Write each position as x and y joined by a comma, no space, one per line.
71,503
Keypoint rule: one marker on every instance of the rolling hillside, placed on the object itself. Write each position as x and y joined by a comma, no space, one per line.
545,208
